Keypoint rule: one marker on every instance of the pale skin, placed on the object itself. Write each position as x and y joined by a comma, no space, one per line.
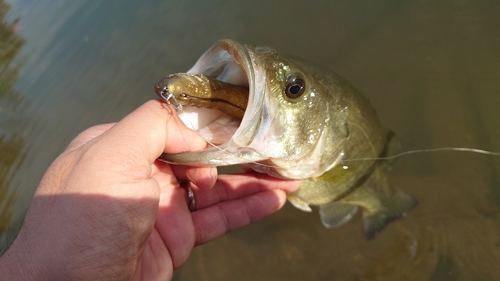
106,209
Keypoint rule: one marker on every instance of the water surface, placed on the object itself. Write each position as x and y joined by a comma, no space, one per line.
430,68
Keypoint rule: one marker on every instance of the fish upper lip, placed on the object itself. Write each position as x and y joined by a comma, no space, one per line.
213,57
232,62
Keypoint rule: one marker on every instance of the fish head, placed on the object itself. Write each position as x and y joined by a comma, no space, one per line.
286,124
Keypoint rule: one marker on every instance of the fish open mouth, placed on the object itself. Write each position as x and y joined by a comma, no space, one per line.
231,63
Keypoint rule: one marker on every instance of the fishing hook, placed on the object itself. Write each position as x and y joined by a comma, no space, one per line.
176,104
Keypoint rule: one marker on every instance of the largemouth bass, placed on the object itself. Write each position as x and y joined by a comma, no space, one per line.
290,119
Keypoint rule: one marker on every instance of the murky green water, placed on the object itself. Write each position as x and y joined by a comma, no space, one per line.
430,68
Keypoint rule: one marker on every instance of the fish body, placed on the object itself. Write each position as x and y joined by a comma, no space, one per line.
300,122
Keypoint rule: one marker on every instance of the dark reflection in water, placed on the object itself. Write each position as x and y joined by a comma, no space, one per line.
11,116
446,269
430,68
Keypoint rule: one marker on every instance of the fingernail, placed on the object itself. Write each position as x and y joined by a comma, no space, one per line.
213,177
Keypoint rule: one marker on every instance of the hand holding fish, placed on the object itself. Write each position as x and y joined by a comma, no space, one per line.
107,209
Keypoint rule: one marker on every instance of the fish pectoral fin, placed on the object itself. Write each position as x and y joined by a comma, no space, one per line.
395,207
335,214
380,201
298,203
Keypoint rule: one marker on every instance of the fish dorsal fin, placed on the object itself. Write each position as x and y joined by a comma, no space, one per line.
335,214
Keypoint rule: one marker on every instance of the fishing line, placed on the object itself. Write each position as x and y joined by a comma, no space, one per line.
211,144
392,157
199,134
462,149
179,109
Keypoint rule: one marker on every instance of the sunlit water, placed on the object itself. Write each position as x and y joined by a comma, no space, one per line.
432,71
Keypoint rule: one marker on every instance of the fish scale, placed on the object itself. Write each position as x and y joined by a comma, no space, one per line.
297,121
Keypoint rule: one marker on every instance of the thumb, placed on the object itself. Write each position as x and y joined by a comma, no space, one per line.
88,135
144,134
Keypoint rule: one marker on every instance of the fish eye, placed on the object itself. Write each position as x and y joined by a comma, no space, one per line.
295,87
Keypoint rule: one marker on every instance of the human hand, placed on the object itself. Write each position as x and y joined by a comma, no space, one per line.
106,209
